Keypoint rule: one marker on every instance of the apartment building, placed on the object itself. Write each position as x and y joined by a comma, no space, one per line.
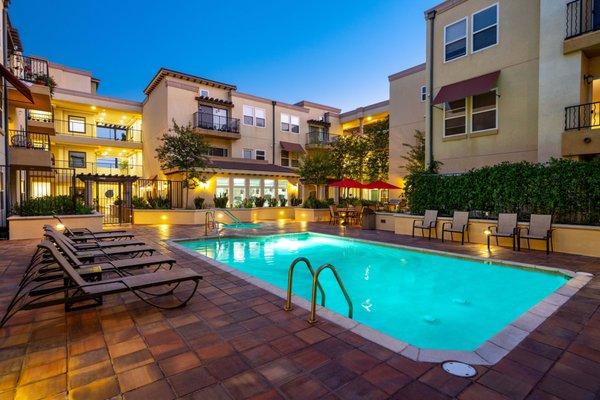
256,143
505,83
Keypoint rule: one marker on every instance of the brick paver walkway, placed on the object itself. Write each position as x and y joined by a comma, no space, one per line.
234,341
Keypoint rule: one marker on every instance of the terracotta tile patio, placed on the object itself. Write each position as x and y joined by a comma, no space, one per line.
234,341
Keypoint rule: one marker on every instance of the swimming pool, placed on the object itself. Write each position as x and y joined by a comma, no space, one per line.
429,300
243,225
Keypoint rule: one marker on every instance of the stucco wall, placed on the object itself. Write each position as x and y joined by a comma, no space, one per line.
33,227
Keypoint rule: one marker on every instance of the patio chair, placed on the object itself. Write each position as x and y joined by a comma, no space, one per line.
93,254
428,223
69,231
334,215
92,243
506,227
540,228
459,224
357,216
73,288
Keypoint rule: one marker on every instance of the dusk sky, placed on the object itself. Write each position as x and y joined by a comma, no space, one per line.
334,52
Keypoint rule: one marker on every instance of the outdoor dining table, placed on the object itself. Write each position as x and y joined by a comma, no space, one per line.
345,214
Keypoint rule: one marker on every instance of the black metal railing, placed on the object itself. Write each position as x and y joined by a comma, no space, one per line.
98,130
216,122
101,167
323,138
580,18
582,116
149,193
29,140
29,69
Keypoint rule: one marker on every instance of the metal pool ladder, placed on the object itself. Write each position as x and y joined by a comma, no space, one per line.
209,221
316,285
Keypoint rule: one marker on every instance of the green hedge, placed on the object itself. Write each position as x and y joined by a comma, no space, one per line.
567,189
51,205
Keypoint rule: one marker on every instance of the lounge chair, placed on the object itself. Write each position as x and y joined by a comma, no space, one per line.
72,288
103,234
506,227
428,223
540,228
334,215
459,224
85,242
93,254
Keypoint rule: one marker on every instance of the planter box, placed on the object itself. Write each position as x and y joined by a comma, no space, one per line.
573,239
311,214
197,217
32,227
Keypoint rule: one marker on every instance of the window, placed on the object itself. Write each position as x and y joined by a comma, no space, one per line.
485,28
289,159
455,40
113,132
282,192
455,117
483,116
222,187
285,122
76,124
261,155
107,162
423,93
203,93
259,114
248,115
76,159
218,152
247,153
254,116
295,122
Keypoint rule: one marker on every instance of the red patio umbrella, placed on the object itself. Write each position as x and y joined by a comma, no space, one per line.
380,185
347,183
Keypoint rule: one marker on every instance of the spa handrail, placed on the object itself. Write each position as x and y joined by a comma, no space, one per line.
313,303
235,219
288,304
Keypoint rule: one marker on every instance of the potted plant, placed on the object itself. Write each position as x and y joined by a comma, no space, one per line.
282,200
272,202
259,201
221,200
199,203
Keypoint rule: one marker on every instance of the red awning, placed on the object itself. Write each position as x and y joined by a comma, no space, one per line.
16,83
347,183
292,147
380,185
470,87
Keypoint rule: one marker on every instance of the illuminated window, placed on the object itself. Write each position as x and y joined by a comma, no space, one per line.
40,189
76,124
76,159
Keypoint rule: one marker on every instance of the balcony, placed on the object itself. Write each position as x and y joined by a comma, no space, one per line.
34,70
40,121
583,28
316,140
582,130
29,149
102,168
77,132
216,126
29,69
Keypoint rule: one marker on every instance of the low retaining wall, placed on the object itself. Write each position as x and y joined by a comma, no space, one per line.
197,217
311,214
573,239
32,227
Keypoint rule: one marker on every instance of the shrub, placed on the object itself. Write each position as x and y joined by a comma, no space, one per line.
272,201
248,202
313,202
159,203
259,201
567,189
139,202
295,201
51,205
282,201
221,200
199,203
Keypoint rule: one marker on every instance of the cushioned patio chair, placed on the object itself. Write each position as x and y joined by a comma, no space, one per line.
540,228
428,223
72,288
459,224
506,228
334,215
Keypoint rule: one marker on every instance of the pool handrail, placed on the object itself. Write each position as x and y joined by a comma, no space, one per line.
313,303
288,304
235,219
209,219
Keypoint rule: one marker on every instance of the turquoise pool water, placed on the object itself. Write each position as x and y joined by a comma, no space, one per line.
428,300
243,225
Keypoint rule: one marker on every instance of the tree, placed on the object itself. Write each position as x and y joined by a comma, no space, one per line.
316,168
416,156
184,150
378,159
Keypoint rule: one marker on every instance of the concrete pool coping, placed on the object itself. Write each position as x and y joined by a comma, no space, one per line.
489,353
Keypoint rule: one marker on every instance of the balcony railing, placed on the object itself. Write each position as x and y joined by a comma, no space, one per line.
581,18
216,122
322,138
29,69
29,140
99,131
582,116
101,168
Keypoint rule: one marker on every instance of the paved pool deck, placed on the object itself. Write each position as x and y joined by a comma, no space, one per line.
234,341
